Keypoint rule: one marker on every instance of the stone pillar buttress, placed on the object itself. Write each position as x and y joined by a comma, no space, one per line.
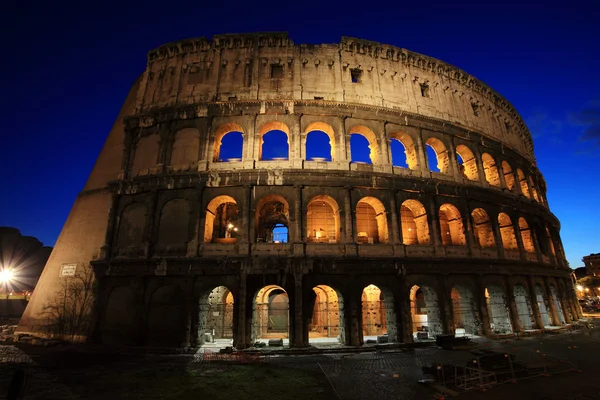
150,223
519,239
297,238
534,304
512,306
195,228
403,314
564,301
105,251
349,220
396,234
422,160
497,237
553,312
483,310
445,303
434,222
501,175
353,318
242,309
298,340
480,169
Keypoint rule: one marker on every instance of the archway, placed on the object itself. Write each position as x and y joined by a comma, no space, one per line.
229,142
464,311
215,324
490,170
320,142
378,315
495,299
363,145
526,236
524,310
322,220
270,319
451,226
274,141
467,162
482,228
557,305
425,313
507,232
523,183
437,156
371,221
165,317
402,148
326,324
221,224
509,176
272,216
413,218
542,305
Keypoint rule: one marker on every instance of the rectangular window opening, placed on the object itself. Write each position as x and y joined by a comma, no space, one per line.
276,71
355,74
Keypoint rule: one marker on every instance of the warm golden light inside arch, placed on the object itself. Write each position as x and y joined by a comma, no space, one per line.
509,177
371,222
371,138
441,154
220,133
469,165
211,213
409,148
328,130
323,220
482,228
413,218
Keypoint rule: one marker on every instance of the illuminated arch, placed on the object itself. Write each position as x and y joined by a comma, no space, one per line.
266,129
441,154
371,138
468,168
482,228
371,221
509,177
270,318
328,130
272,212
507,232
415,229
409,148
220,133
526,236
523,183
221,224
451,226
490,170
323,220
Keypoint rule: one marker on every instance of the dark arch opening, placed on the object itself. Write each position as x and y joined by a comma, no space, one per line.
359,149
318,146
275,146
231,147
398,150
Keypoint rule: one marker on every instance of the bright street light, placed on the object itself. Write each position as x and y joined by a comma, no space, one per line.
579,287
6,275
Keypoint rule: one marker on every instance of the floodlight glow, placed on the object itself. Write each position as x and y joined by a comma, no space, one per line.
6,275
579,287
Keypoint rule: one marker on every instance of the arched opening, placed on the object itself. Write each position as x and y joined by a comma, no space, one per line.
215,323
131,226
274,142
404,153
327,321
464,311
541,299
322,220
482,228
272,216
495,299
270,319
378,315
467,163
550,241
117,327
425,313
320,142
526,236
165,317
173,228
437,156
229,143
523,304
533,190
523,183
451,226
509,176
490,169
415,229
222,225
557,305
363,145
507,232
186,148
371,221
146,154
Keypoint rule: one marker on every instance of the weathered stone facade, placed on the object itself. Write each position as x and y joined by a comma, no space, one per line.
170,228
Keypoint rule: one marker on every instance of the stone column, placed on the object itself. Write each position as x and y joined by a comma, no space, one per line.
512,306
501,175
564,301
552,306
396,233
349,220
194,227
483,310
497,237
353,316
534,305
105,251
468,225
246,215
445,303
251,216
151,216
452,163
420,148
243,313
433,218
192,314
536,243
140,311
341,153
127,154
298,328
298,236
480,169
403,315
519,238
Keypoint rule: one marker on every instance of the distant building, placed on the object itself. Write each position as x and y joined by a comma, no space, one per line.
592,264
580,272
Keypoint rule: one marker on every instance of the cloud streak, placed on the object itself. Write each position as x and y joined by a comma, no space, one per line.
589,119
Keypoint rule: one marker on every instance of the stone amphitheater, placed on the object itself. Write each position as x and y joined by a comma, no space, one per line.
198,231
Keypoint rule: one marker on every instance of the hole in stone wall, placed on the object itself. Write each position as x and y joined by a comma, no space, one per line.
275,146
466,162
378,315
371,221
424,90
437,156
451,226
215,324
526,236
230,147
507,232
222,225
399,158
465,317
327,322
425,313
360,149
276,71
272,220
523,304
355,75
270,317
322,220
318,146
509,177
482,228
415,228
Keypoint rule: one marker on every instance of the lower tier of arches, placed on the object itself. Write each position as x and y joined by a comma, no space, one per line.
312,306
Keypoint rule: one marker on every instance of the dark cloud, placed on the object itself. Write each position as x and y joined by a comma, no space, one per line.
589,120
542,126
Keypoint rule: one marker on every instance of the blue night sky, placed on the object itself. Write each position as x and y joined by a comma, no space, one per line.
67,68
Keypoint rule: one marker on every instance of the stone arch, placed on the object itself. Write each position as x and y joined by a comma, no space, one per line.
482,228
523,183
132,226
327,130
166,317
272,211
327,319
441,154
415,228
409,149
507,232
266,131
270,318
368,134
468,167
425,313
550,241
497,306
555,299
378,314
451,226
371,221
490,170
222,220
464,310
216,316
323,220
185,149
542,301
533,190
523,303
173,227
509,176
118,322
526,236
146,153
220,133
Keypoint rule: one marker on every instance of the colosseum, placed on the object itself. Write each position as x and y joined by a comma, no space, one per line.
254,189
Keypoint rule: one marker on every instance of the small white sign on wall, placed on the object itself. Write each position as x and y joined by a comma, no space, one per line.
68,269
